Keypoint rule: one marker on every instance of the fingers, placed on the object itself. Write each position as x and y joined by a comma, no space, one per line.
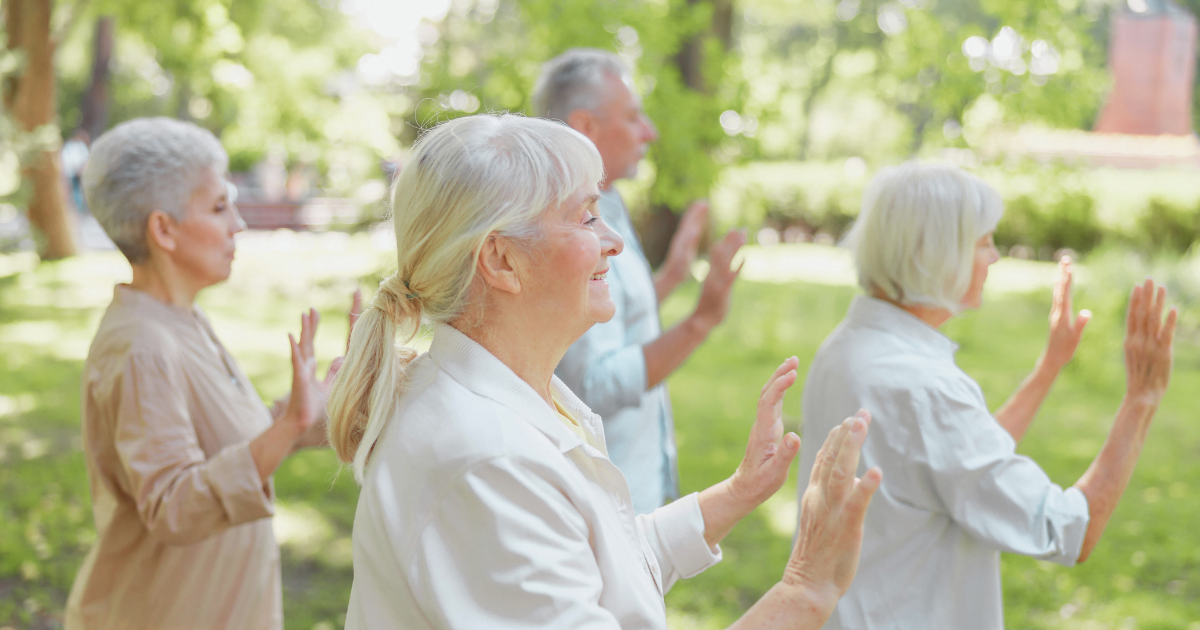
355,313
1167,335
833,446
1132,313
841,477
1154,322
297,361
788,364
1068,282
775,390
860,498
1081,320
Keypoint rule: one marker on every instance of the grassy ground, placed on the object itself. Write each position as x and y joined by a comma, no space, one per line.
1145,573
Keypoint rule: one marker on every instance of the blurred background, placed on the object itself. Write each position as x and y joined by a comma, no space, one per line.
1080,112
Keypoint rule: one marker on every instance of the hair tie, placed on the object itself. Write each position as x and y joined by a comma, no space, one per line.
411,296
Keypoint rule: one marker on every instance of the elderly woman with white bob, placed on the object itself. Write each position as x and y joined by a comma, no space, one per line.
488,499
957,494
180,448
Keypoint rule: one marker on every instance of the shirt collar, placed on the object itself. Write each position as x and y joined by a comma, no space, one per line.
473,367
127,296
889,318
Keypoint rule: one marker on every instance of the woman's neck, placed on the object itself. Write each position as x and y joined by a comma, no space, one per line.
934,317
527,347
164,283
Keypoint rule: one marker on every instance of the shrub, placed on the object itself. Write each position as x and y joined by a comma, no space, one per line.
1067,222
1164,226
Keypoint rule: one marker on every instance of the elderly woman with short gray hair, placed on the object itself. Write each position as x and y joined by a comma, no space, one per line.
180,448
957,494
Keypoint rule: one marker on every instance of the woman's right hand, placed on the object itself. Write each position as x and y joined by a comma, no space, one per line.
832,510
1148,339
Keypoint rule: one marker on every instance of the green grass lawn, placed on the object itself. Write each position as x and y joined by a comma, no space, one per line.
1145,573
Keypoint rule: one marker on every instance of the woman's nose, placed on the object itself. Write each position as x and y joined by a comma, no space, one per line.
649,131
239,224
611,243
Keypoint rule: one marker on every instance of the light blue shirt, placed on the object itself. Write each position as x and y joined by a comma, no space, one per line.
607,370
955,493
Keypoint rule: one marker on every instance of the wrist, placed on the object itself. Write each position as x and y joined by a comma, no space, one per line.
699,326
807,602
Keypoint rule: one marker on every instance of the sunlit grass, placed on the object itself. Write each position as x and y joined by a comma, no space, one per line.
1147,568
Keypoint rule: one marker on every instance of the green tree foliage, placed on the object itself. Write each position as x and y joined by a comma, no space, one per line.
266,75
489,60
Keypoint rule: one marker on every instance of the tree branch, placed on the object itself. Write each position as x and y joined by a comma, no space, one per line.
65,28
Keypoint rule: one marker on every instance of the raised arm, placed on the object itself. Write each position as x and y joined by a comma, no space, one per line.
1066,328
665,354
825,557
682,251
1148,360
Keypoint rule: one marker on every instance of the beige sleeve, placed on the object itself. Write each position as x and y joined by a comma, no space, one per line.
181,497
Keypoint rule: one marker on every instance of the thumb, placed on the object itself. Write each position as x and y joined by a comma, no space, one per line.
1081,320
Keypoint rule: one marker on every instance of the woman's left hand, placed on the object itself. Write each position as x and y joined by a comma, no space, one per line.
1066,328
769,453
315,435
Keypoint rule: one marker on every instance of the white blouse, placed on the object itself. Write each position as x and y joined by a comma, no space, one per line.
480,509
954,494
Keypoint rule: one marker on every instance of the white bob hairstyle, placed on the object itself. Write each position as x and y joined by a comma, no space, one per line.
144,165
468,179
574,80
914,240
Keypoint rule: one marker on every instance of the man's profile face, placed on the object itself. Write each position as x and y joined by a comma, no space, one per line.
621,131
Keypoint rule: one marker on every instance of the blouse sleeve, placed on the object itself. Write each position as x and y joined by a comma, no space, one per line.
505,549
675,532
991,491
181,496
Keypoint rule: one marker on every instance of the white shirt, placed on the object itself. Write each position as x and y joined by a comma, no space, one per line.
607,368
954,494
480,509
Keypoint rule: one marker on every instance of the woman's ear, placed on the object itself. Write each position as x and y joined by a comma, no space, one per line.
161,232
499,264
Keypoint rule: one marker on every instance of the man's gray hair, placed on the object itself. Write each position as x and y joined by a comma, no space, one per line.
575,80
914,240
144,165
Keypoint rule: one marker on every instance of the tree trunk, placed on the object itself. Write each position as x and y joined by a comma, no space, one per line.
32,106
95,102
659,226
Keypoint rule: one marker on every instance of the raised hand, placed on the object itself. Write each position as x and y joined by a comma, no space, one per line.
832,510
686,242
718,286
305,404
1148,343
769,453
1066,328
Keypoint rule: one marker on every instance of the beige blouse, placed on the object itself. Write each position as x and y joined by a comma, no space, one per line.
183,538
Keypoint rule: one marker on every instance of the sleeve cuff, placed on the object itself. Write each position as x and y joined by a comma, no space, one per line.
1074,511
233,476
680,529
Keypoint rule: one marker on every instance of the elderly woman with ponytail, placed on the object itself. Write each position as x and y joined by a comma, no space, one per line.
488,500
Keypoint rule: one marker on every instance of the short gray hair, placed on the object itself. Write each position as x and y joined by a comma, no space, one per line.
574,80
144,165
914,240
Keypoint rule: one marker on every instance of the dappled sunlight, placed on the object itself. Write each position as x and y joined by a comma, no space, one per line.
303,531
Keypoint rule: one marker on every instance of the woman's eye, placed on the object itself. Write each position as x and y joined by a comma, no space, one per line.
220,208
591,219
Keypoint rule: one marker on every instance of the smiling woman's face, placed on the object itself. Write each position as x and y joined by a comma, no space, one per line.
567,270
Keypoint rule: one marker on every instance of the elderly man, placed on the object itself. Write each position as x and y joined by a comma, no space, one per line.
618,368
